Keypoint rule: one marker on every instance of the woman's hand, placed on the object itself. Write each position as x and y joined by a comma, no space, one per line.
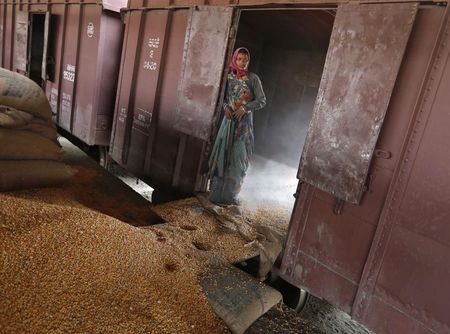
228,113
239,113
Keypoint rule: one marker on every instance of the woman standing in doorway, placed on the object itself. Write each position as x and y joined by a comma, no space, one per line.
234,143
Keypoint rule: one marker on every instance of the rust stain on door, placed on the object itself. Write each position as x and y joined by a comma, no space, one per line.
203,63
21,46
364,56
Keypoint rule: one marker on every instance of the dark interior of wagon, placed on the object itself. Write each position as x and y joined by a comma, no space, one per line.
36,46
288,50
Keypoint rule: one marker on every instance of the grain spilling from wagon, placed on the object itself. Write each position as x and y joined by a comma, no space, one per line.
230,235
72,269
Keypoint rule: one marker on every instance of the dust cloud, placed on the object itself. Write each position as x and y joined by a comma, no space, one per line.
269,183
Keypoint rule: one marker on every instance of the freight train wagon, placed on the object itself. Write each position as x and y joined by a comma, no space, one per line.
72,50
360,88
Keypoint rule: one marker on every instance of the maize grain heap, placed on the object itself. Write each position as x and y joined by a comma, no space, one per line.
233,237
29,151
65,267
69,269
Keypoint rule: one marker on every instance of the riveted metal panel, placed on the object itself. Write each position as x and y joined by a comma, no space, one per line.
414,267
365,53
407,271
392,306
332,240
203,64
385,319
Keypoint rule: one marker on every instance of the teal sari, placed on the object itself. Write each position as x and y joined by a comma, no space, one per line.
233,147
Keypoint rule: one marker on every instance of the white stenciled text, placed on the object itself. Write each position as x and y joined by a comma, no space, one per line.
69,73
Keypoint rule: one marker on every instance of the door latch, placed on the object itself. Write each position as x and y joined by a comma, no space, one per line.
382,154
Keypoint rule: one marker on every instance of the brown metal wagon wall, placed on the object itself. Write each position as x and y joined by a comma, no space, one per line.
385,261
80,72
143,139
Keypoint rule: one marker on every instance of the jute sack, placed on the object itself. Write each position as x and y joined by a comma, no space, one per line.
12,118
19,92
20,120
25,174
43,128
18,144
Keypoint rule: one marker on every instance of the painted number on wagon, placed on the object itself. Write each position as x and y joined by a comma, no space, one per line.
122,115
90,30
69,73
153,44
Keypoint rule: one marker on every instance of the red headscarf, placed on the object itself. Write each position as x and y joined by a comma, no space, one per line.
233,65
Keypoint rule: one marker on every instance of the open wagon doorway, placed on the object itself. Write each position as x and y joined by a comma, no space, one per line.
288,50
36,42
37,46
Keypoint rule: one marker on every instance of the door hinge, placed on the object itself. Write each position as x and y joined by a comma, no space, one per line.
382,154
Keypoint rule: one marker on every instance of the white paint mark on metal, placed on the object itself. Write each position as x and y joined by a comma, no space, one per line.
69,73
90,30
54,100
122,115
150,65
66,103
320,229
153,44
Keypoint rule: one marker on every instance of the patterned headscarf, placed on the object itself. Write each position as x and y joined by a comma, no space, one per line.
233,65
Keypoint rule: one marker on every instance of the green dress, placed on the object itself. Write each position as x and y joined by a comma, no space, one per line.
233,147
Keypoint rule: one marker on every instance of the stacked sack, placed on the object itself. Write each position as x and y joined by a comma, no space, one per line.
29,150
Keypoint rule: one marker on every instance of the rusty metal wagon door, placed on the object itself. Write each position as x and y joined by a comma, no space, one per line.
327,249
206,44
363,59
21,42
